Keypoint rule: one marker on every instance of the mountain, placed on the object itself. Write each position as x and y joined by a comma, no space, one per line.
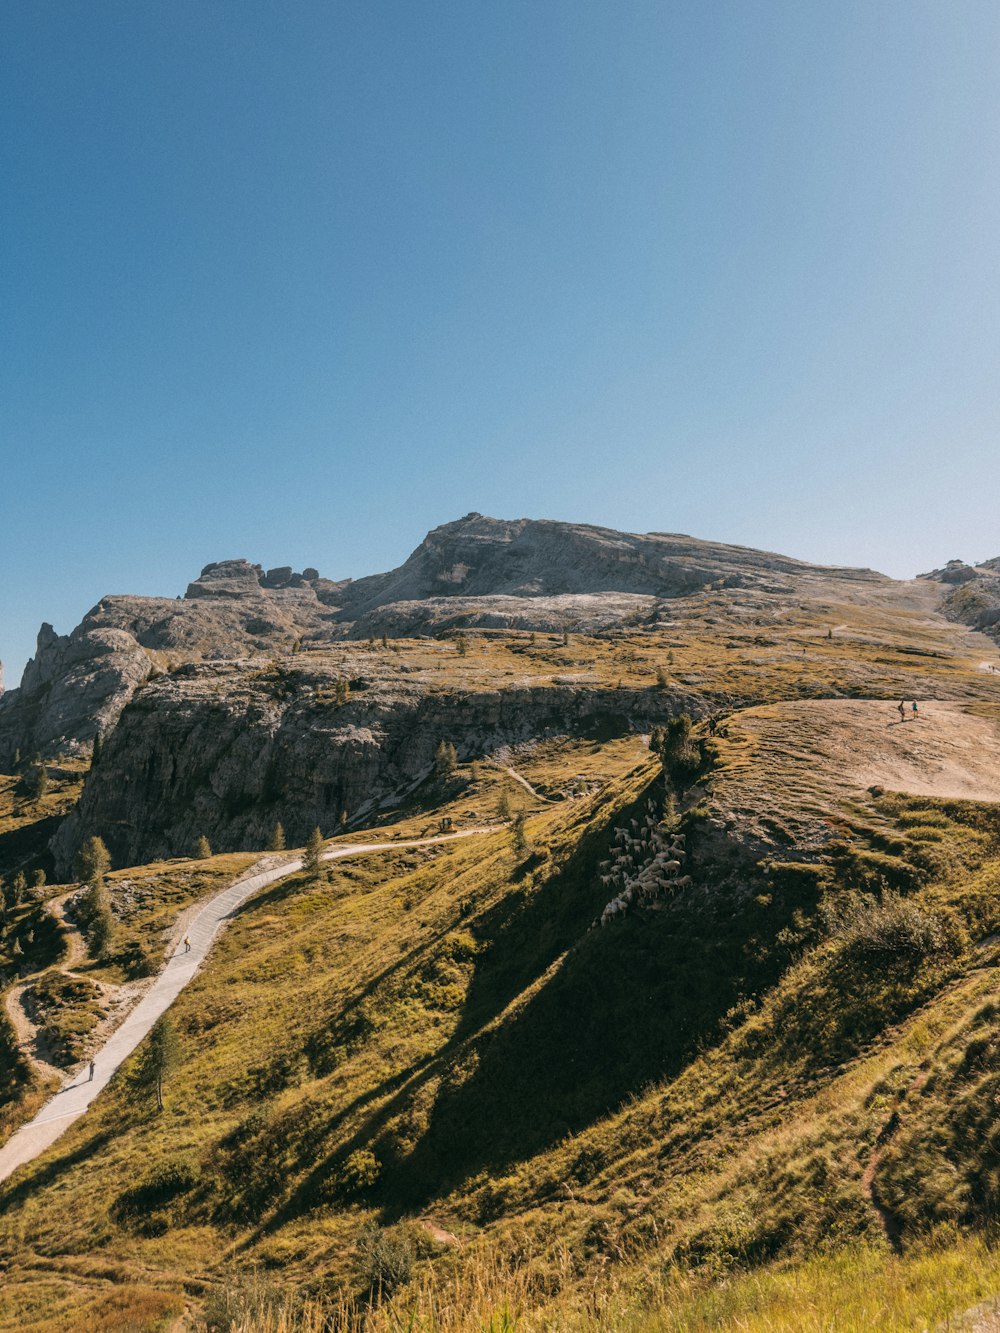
649,981
253,698
475,573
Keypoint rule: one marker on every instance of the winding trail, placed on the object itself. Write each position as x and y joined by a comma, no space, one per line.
79,1090
28,1034
523,781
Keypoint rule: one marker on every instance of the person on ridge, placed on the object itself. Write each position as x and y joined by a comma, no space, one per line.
187,943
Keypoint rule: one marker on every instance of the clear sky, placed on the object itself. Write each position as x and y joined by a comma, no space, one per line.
298,282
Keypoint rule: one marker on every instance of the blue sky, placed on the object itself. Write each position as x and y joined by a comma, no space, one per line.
299,282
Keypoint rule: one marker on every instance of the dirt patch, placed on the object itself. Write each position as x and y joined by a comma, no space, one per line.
787,769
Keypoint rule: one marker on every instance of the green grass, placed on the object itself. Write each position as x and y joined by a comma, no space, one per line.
661,1124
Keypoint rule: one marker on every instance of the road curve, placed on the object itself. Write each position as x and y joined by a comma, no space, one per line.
76,1094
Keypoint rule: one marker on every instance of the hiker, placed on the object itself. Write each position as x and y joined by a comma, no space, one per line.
914,708
902,711
90,1079
187,943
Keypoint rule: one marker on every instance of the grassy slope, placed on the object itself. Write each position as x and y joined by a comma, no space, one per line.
673,1099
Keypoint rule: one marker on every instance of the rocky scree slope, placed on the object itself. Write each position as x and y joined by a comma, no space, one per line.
973,593
478,571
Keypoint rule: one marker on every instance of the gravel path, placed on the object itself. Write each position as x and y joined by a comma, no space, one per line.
76,1094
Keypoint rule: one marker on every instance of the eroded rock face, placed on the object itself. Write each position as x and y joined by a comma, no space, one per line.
529,558
478,572
974,593
585,613
226,750
76,685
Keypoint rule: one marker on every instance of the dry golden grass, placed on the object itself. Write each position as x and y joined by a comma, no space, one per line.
387,1044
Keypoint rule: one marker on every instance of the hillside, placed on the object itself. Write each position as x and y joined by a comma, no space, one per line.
695,1027
478,572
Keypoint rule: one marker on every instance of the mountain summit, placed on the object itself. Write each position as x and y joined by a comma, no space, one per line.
483,573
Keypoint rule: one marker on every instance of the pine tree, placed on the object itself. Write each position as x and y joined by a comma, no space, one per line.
98,921
35,782
277,843
518,833
463,646
503,805
93,861
342,822
445,759
38,878
202,849
312,859
98,750
341,692
676,746
157,1060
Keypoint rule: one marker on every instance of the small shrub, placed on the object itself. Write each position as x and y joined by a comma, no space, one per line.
445,759
252,1302
519,835
34,782
166,1182
385,1259
877,930
359,1172
138,961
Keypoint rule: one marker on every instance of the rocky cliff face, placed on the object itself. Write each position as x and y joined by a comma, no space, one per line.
76,685
226,750
973,593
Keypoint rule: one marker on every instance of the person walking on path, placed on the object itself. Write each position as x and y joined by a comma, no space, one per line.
187,943
913,707
90,1079
902,711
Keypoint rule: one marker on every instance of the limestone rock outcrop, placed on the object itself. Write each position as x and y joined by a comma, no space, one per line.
76,685
478,572
973,595
528,558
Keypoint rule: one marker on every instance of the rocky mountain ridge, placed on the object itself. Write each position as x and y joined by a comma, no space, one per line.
477,572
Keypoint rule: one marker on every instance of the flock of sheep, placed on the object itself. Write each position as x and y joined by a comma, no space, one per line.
645,864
